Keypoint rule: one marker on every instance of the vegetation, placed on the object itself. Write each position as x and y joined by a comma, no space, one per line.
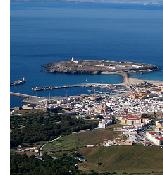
24,165
75,141
66,165
61,156
43,126
129,159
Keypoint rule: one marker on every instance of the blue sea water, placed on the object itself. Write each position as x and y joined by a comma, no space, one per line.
46,31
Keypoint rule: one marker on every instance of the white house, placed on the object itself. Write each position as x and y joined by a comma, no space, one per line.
155,137
102,124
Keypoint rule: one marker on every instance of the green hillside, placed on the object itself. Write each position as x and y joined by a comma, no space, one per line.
138,159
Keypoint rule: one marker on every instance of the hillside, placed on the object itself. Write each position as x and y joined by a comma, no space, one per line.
135,159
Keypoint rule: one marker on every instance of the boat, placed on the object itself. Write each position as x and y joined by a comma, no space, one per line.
37,89
89,90
18,82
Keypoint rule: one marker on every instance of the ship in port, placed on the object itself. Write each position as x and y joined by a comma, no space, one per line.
38,88
18,82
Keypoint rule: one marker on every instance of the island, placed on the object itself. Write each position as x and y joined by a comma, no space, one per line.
98,67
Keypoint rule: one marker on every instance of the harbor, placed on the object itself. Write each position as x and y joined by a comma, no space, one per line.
39,94
88,85
100,85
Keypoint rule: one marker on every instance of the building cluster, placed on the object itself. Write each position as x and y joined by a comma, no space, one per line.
139,99
117,142
127,108
138,130
35,150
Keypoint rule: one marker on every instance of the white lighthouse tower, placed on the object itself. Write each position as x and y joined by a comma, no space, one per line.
72,60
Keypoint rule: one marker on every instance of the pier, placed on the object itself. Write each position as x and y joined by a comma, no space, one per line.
72,86
125,78
17,94
65,86
30,99
45,88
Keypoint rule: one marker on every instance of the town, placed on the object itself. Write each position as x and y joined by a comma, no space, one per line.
85,87
138,108
128,115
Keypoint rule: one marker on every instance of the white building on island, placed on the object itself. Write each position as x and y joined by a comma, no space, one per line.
74,61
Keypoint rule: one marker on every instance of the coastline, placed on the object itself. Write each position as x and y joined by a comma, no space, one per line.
127,80
137,81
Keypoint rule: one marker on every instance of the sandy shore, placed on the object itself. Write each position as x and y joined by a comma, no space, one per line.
132,81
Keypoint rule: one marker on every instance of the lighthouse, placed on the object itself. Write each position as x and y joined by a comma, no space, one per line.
72,60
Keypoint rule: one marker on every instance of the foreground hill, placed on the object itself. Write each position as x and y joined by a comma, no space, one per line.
124,159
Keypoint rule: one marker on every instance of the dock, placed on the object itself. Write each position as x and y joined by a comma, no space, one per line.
30,99
87,85
45,88
17,94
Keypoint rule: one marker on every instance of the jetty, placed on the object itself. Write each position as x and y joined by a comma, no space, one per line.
45,88
17,94
87,85
29,99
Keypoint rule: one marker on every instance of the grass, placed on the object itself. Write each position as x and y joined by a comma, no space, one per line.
76,141
135,159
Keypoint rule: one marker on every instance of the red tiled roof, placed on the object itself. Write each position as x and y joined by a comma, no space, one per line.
132,117
159,138
152,133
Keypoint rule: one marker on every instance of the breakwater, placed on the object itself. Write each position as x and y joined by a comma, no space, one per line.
17,94
88,85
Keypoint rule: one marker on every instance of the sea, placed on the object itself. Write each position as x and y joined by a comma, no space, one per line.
50,31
